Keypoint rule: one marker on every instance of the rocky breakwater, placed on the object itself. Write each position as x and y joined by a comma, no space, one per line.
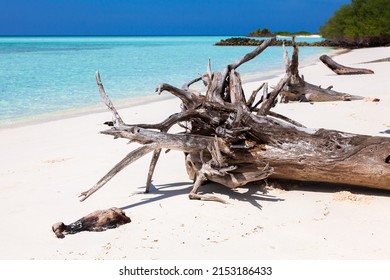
244,41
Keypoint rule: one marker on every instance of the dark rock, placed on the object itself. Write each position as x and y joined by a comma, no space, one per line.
336,43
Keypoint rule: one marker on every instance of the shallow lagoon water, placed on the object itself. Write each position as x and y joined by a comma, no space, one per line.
45,75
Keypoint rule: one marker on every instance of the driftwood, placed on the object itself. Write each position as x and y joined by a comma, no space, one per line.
387,59
233,140
341,69
99,220
297,89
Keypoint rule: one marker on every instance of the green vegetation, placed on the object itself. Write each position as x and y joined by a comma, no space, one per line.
260,33
286,33
267,33
360,19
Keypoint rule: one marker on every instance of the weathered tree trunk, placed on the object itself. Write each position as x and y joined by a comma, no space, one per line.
232,141
341,69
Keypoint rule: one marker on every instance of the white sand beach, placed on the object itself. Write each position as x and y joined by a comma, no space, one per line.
299,36
45,166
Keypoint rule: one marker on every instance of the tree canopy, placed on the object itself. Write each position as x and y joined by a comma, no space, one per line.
360,19
260,33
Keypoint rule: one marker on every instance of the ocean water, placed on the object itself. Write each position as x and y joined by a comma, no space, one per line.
40,76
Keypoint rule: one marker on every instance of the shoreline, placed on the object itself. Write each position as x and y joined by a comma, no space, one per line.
126,103
80,112
47,165
119,104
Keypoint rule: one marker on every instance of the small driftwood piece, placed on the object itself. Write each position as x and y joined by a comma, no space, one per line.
99,220
341,69
232,140
297,89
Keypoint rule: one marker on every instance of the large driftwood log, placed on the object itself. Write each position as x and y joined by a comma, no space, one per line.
341,69
232,140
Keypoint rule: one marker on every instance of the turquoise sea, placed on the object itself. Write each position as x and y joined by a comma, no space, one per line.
40,76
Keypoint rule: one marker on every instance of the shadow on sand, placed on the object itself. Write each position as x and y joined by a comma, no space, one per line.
252,193
385,131
326,187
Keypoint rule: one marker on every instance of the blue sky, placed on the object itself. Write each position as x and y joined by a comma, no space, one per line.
162,17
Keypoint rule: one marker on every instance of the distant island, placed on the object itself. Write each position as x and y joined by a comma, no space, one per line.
265,32
381,38
253,39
